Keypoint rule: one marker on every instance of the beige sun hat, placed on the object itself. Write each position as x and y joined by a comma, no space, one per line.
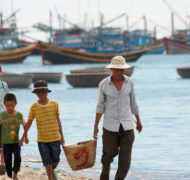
118,62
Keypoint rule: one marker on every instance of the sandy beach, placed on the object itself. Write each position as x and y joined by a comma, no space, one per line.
27,173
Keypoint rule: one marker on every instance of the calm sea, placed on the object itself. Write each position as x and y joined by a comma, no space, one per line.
161,151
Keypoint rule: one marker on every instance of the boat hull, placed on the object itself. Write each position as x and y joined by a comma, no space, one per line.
91,77
184,72
15,55
128,71
16,80
58,55
53,77
85,80
156,49
173,47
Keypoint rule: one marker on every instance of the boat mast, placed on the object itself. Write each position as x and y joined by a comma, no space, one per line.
145,25
1,19
172,23
127,23
50,29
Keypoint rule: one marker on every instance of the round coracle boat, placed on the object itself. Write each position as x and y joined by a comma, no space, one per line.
128,71
14,80
184,71
85,79
54,77
91,77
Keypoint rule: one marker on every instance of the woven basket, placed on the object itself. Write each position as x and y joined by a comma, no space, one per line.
81,155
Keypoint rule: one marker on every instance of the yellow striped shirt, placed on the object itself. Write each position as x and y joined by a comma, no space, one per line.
46,120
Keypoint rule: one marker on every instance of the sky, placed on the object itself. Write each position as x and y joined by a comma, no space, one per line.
86,14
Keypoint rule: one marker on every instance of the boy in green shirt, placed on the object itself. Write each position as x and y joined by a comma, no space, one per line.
10,119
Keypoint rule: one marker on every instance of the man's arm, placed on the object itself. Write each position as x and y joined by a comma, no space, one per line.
60,130
97,120
138,122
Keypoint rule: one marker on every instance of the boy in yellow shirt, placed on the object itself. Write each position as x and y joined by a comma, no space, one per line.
50,134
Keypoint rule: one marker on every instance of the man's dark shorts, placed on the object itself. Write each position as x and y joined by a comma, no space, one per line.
50,153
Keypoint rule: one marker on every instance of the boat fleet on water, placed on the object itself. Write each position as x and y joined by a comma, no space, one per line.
98,45
77,45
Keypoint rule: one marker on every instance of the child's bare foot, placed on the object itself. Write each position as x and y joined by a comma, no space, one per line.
2,169
54,177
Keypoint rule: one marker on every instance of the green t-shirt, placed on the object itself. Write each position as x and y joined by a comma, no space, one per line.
10,127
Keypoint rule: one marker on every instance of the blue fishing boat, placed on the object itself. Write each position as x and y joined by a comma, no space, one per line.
113,40
144,38
107,39
59,55
69,38
10,51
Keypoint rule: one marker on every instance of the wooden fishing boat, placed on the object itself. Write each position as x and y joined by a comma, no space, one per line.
91,77
176,47
156,48
15,55
184,71
54,77
14,80
10,50
24,43
58,55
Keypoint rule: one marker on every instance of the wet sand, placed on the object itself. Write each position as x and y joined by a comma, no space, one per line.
27,173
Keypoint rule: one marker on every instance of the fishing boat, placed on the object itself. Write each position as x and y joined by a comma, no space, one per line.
144,39
176,47
58,55
15,55
156,48
91,77
24,43
179,43
184,71
108,39
10,52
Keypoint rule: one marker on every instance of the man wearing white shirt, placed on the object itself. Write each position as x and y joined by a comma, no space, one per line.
118,104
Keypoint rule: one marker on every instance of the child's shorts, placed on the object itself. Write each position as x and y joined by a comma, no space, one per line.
50,153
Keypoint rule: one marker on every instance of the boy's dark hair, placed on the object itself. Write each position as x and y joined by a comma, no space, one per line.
10,97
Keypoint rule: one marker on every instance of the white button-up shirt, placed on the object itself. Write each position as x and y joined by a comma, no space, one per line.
117,106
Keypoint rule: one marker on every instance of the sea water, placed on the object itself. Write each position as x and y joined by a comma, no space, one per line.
161,151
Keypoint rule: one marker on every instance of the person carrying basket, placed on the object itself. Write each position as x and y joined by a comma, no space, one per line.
117,102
